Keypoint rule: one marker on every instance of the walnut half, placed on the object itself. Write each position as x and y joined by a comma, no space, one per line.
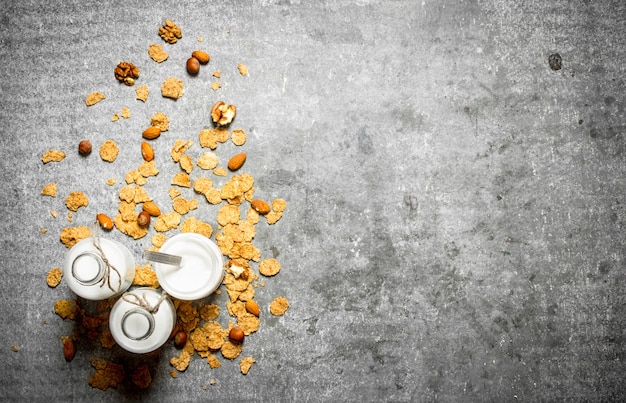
223,114
170,32
126,73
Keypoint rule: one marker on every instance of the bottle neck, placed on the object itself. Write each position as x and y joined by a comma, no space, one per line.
137,324
88,268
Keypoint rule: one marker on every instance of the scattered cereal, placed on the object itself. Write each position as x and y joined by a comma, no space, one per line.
183,206
75,200
238,136
174,192
157,53
115,117
172,88
245,364
186,163
142,92
279,306
216,85
94,97
145,276
125,112
166,222
66,308
208,160
158,240
15,348
49,190
71,235
109,151
231,350
182,179
194,225
107,375
179,148
220,172
111,181
54,277
161,121
269,267
210,137
243,69
54,213
52,156
217,74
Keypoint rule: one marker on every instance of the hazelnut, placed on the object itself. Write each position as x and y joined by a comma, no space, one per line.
236,335
193,66
180,339
143,219
84,147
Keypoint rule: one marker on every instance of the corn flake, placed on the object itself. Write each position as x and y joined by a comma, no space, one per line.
109,151
49,190
166,222
52,156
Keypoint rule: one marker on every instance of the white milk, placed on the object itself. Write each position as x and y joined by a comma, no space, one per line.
137,330
200,272
84,269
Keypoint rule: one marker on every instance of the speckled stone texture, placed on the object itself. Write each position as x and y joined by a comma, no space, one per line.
454,227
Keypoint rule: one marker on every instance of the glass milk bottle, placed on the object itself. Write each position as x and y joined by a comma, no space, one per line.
98,274
142,320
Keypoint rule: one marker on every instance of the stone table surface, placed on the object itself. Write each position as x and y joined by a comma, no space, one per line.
455,206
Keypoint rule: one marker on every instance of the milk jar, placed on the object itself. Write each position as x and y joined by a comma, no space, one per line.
98,274
201,269
142,320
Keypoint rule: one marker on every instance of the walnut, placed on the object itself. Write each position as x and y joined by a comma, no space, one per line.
170,32
223,114
126,73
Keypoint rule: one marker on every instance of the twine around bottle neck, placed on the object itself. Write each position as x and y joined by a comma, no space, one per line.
106,278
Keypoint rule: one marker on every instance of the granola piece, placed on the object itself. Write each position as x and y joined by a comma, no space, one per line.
279,306
161,121
166,222
94,97
172,88
72,235
109,151
157,53
238,136
107,375
50,190
66,308
170,32
243,69
145,276
245,364
182,179
142,92
52,156
208,160
54,276
269,267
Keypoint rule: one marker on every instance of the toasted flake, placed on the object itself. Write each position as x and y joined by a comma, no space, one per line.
52,156
94,97
50,190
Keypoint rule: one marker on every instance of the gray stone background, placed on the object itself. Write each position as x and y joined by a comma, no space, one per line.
455,207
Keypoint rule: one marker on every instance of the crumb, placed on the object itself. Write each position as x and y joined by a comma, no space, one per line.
115,117
220,171
107,375
157,53
243,69
75,200
52,156
216,85
71,235
269,267
166,222
172,88
109,151
49,190
200,38
15,348
161,121
125,112
279,306
93,98
53,278
54,213
142,92
145,276
245,364
217,74
238,136
66,308
111,181
186,163
173,374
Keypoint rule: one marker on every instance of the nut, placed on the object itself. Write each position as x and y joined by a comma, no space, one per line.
223,114
105,221
253,307
170,32
147,151
180,339
237,161
151,208
143,219
236,335
84,147
151,133
193,66
202,56
126,73
260,206
69,349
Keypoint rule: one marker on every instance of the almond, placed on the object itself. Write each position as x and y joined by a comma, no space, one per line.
69,349
104,221
202,56
260,206
151,208
151,133
253,307
147,151
237,161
